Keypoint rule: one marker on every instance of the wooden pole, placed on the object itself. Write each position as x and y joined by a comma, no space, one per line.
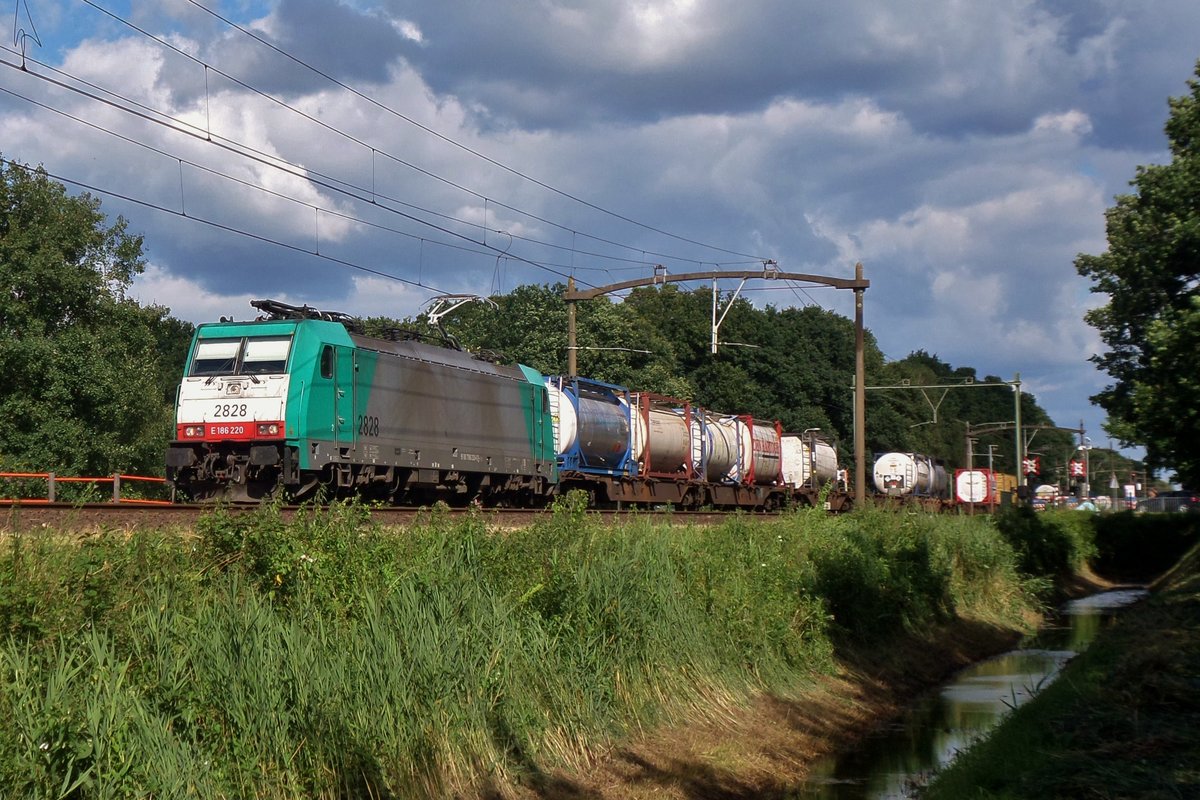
860,397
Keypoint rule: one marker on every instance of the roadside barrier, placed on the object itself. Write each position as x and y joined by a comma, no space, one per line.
116,479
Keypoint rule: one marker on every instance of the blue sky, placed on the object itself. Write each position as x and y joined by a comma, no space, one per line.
964,152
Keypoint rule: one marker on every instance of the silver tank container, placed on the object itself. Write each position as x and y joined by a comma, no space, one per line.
663,441
598,427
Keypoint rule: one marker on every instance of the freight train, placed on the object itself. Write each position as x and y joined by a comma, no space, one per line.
301,402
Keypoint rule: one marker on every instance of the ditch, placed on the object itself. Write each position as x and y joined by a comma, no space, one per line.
892,761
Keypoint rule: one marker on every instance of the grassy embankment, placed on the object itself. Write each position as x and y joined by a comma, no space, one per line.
327,658
1123,719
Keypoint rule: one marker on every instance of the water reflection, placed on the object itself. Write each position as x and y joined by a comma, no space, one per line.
945,722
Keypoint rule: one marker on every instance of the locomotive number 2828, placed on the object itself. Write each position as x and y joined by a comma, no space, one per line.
368,426
230,410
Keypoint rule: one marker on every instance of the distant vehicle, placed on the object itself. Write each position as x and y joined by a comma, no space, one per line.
1168,502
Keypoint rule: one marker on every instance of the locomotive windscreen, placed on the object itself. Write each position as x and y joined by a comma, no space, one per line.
265,356
215,357
256,355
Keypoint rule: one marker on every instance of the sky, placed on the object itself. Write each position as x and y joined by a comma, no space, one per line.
369,156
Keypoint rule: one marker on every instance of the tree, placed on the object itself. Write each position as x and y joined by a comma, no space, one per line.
1150,275
86,374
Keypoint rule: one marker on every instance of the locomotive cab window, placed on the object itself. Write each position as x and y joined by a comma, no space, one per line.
265,355
216,357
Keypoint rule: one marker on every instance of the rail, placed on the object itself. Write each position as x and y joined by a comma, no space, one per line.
116,479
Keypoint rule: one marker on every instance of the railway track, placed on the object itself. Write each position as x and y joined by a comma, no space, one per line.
92,517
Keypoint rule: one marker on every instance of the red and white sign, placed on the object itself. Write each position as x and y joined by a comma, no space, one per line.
1032,465
1076,469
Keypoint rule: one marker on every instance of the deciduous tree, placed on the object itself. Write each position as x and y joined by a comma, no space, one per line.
86,373
1150,276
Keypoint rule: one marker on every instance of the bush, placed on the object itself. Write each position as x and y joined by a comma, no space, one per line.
879,574
1050,544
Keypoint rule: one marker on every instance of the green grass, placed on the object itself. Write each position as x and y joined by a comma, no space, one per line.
324,657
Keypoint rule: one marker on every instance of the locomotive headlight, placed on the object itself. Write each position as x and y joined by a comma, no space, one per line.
268,429
193,431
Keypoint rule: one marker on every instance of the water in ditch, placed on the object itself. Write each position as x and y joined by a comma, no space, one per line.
938,726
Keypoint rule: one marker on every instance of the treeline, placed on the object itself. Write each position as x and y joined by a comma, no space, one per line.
88,375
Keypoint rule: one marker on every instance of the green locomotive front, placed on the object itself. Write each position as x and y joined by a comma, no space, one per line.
302,401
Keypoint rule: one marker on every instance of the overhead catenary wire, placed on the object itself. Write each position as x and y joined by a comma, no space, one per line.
182,212
274,193
222,226
360,193
330,181
375,150
449,140
322,209
327,182
228,228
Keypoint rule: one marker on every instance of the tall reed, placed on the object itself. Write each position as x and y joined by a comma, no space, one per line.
326,657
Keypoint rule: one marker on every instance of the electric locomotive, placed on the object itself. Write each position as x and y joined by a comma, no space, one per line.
300,399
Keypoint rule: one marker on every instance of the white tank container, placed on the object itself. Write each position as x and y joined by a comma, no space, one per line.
909,474
719,444
807,461
741,450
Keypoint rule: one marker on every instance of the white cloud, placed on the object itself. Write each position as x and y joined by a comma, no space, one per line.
408,29
186,298
1072,123
369,296
132,65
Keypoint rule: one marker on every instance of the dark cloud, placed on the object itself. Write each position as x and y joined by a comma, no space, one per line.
351,46
952,70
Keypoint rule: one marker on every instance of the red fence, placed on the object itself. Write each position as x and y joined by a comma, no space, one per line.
116,479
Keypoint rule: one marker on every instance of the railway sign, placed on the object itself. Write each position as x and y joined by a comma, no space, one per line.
1032,465
1077,469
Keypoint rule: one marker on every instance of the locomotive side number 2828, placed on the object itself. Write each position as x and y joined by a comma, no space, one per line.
230,410
368,426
